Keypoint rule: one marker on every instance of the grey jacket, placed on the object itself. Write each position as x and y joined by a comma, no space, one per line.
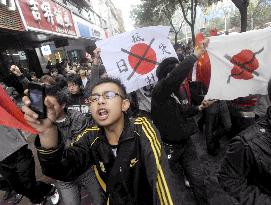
262,105
11,140
74,124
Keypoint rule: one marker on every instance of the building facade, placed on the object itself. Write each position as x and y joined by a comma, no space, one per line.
53,30
16,47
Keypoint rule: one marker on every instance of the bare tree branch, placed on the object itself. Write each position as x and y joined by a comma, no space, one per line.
169,19
184,13
181,26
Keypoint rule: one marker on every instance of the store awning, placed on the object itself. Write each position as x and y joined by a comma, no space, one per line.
27,39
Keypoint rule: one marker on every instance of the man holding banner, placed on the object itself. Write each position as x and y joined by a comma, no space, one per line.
241,68
173,115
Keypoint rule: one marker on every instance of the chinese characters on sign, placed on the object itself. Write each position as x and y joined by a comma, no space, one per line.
145,62
137,38
59,17
46,8
136,55
163,47
150,79
47,15
122,66
33,5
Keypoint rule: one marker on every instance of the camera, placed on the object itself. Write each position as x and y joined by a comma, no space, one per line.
37,96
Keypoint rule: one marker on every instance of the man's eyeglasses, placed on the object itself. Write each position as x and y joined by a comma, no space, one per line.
108,95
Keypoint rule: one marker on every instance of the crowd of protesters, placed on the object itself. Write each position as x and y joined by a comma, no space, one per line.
131,148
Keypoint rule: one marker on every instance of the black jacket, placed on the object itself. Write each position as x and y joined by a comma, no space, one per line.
246,171
173,116
139,174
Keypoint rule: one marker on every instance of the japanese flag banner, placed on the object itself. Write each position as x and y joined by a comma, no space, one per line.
134,56
240,64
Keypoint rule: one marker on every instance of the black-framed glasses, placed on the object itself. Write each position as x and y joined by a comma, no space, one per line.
107,95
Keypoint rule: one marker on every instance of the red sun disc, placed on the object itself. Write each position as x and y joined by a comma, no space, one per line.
144,67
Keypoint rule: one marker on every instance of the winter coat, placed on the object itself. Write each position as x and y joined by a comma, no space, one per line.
74,123
170,113
246,171
138,173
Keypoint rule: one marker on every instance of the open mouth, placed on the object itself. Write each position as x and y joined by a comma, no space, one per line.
102,114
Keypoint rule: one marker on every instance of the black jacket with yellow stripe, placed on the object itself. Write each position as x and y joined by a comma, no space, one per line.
139,174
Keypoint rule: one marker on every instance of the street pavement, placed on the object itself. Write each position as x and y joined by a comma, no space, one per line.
210,165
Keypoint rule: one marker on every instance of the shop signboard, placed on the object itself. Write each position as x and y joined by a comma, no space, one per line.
46,16
22,55
82,27
46,50
87,30
84,30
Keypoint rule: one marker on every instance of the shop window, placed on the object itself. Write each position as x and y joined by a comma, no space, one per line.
76,56
56,55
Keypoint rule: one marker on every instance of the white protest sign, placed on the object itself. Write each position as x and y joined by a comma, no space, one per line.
134,56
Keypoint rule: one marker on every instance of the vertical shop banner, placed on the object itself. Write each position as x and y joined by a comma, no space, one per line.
134,56
46,16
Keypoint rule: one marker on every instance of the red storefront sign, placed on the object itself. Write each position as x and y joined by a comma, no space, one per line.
46,16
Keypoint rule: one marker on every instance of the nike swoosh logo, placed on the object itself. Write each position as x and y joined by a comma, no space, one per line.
133,163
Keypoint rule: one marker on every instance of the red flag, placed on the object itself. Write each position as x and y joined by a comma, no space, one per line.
199,38
11,115
203,72
203,68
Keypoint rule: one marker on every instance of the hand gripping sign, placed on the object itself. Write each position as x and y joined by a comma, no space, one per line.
134,56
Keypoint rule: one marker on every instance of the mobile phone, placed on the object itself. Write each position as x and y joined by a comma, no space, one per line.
37,94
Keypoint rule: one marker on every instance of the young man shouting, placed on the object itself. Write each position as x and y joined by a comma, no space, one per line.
131,164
